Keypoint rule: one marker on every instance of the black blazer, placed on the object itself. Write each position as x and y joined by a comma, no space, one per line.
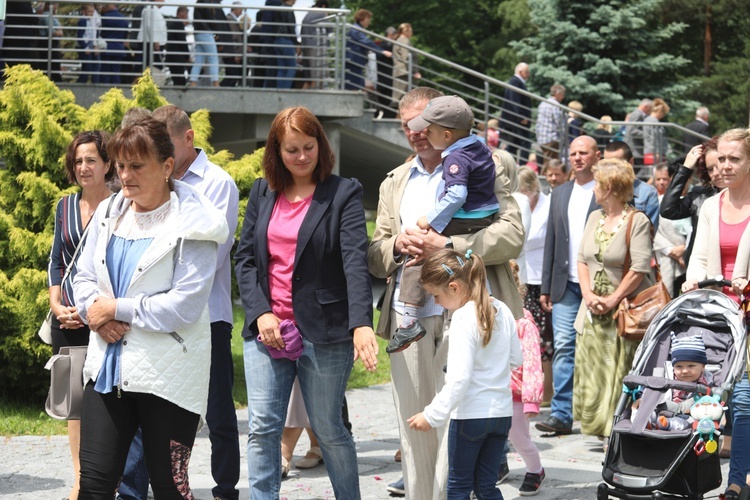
331,288
556,244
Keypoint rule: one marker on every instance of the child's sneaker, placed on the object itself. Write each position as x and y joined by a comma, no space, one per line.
504,473
404,337
531,484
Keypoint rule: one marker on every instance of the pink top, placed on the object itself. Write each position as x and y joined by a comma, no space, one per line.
283,229
729,241
527,381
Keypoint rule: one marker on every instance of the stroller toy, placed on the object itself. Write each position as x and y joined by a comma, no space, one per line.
706,413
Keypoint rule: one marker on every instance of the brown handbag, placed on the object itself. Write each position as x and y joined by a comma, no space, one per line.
633,316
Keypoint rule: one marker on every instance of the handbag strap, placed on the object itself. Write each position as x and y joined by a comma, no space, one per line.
626,265
80,242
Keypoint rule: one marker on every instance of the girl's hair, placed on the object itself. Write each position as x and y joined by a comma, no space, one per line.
99,138
445,266
521,288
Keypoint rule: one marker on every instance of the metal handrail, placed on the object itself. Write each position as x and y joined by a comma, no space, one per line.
483,93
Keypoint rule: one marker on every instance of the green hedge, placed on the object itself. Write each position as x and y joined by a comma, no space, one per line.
37,121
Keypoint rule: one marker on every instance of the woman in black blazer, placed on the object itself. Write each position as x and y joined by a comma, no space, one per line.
302,257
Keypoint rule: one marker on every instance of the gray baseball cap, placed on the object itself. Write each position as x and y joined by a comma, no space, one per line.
448,111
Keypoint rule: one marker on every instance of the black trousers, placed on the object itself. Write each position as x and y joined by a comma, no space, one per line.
108,424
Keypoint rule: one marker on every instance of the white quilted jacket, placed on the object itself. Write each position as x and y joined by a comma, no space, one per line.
168,349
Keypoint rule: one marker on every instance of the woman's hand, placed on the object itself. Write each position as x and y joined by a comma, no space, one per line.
67,316
692,157
689,285
592,302
531,414
606,304
419,423
738,286
366,347
113,330
268,330
102,310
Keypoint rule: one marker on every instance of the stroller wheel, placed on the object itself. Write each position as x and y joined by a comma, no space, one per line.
656,496
602,492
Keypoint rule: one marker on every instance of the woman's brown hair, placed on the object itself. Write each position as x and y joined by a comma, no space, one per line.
299,119
98,137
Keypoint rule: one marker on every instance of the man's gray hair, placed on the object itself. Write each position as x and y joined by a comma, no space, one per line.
556,89
702,113
646,102
418,94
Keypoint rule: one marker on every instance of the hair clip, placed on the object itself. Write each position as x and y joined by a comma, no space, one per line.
468,253
447,269
460,261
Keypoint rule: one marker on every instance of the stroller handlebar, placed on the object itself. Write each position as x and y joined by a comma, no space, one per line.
717,281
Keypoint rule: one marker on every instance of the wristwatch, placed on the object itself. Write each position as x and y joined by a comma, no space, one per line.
449,242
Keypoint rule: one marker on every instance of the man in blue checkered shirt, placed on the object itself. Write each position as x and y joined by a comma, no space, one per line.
550,123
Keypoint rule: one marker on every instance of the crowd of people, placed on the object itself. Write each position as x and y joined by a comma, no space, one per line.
515,275
212,48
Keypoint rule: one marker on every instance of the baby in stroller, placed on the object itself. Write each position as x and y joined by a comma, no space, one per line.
689,365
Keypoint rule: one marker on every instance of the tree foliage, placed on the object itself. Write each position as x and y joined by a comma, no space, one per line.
607,53
37,121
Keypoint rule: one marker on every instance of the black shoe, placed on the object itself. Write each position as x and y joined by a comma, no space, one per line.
404,337
504,473
554,424
531,484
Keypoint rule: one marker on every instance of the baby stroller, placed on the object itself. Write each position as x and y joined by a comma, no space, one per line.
643,463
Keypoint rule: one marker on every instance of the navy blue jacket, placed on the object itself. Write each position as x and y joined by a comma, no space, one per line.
331,288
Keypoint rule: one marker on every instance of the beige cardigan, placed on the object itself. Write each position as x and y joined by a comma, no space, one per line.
613,260
705,261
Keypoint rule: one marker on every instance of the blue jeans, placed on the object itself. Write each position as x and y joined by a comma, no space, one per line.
134,484
323,370
221,417
286,62
205,54
89,67
564,314
475,450
739,463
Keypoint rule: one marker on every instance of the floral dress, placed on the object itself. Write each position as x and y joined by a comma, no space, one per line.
602,359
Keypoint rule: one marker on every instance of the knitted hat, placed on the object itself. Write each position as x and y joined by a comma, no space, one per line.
292,338
688,349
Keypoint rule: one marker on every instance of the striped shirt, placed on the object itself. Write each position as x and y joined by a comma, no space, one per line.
549,121
68,232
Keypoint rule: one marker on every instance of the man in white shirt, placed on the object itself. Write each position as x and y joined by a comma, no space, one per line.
192,167
417,372
570,206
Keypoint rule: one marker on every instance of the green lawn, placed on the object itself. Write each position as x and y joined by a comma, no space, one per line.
30,419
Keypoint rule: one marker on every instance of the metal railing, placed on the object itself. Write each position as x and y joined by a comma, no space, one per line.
263,57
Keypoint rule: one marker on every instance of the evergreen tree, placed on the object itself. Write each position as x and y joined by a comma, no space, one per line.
37,121
607,53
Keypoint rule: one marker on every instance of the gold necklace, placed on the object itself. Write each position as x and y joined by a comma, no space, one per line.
602,219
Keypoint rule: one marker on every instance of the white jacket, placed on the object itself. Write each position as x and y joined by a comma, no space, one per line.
167,351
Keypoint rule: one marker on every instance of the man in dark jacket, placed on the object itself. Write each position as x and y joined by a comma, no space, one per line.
178,53
516,115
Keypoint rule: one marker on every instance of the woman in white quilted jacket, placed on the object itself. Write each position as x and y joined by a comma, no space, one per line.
142,287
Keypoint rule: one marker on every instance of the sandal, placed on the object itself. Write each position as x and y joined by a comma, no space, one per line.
284,468
313,458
